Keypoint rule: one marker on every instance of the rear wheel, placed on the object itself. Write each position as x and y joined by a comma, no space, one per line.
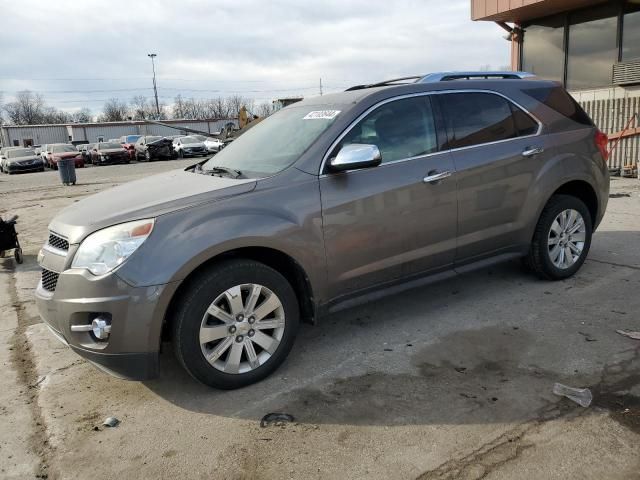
562,238
235,324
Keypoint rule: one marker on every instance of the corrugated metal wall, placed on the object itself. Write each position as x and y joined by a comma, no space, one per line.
612,115
106,131
40,134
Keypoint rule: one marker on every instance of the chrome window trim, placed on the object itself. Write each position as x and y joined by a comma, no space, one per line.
424,94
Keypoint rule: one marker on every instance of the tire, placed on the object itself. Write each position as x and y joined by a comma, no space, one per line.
540,258
191,312
17,254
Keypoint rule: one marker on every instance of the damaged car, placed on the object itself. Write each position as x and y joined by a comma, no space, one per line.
149,148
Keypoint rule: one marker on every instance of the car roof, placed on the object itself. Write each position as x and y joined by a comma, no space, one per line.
352,97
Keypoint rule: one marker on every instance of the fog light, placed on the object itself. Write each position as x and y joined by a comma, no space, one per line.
101,327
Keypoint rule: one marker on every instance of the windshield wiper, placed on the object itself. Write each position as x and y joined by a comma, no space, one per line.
233,173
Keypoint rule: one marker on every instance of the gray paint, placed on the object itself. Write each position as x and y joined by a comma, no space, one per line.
352,233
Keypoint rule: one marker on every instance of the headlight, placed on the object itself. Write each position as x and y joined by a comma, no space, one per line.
104,157
104,250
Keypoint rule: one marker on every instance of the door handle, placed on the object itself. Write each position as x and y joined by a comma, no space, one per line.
435,176
531,151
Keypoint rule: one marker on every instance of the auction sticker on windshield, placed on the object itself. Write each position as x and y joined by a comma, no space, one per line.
321,115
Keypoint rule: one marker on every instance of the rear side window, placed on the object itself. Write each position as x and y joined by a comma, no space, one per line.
400,129
558,99
477,118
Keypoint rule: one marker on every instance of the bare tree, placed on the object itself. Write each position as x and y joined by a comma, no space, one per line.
178,107
27,109
236,102
114,111
264,109
82,116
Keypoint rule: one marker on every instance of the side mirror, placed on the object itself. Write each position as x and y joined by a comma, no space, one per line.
356,156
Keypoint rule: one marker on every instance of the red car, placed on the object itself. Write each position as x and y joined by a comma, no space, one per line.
129,144
59,151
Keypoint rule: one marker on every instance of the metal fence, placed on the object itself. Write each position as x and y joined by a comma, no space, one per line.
611,116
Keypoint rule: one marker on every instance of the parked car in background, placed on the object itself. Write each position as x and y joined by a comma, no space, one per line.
21,160
3,154
214,145
200,138
107,153
151,148
129,142
59,151
189,147
85,151
43,152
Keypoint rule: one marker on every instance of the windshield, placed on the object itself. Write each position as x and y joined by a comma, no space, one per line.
20,152
186,140
132,138
200,138
152,139
210,139
108,146
63,148
276,142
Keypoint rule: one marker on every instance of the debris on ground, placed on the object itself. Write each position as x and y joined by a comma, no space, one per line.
582,396
588,337
111,422
630,334
277,419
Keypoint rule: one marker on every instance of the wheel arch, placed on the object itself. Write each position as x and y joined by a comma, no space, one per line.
582,190
276,259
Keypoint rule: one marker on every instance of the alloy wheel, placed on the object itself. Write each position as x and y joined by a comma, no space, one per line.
566,238
242,328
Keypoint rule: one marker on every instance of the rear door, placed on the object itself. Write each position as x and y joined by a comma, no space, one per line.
386,222
496,149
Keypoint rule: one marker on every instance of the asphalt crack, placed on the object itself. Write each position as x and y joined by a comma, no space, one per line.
23,362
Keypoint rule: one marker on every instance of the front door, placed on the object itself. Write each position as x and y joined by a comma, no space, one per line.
386,222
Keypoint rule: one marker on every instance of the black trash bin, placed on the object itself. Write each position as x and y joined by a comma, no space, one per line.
67,169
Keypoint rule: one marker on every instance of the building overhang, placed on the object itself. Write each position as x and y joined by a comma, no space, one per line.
520,11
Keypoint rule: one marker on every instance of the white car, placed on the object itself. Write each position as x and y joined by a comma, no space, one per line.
189,147
213,145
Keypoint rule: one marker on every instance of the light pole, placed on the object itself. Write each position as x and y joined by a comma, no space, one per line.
155,87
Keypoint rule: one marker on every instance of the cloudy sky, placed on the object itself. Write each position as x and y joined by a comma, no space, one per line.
80,53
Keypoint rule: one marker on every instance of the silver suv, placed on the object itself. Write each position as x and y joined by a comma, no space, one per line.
325,204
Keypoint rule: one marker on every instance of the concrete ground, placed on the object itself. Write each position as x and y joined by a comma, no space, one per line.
448,381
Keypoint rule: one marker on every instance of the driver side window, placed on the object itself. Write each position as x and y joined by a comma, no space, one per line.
400,129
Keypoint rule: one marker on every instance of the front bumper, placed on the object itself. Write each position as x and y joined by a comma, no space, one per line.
136,313
32,167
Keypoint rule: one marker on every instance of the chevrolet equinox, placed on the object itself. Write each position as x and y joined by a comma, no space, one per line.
327,203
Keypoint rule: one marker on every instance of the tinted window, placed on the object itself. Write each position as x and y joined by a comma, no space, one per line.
525,125
475,118
542,49
559,100
401,129
592,48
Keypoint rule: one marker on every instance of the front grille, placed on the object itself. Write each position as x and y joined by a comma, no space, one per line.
58,242
49,280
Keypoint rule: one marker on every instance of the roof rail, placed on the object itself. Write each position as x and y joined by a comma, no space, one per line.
444,77
447,76
386,83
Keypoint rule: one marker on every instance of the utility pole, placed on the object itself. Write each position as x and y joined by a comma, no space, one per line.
320,86
155,87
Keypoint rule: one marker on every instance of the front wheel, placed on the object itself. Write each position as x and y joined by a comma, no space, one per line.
235,324
561,239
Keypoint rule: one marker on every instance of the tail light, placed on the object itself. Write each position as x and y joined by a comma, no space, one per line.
602,142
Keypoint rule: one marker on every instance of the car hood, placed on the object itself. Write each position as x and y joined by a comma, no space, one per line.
23,159
66,154
111,151
146,198
193,145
